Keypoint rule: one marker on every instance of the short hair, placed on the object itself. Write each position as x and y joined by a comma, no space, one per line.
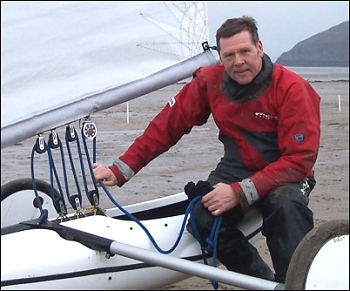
233,26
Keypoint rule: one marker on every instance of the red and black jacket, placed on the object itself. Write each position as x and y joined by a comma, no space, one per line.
270,140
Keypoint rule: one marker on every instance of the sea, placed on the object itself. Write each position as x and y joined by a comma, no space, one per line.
316,74
323,74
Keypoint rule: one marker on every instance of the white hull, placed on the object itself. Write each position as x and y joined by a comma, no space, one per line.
44,260
49,262
113,252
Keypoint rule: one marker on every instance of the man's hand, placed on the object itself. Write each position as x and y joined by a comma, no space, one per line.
221,199
104,174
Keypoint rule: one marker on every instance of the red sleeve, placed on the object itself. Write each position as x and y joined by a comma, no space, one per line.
120,178
186,109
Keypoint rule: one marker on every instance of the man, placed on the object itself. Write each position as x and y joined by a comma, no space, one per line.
269,123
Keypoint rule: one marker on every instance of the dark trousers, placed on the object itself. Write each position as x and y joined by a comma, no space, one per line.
286,220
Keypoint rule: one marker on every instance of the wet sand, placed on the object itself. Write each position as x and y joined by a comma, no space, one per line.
197,153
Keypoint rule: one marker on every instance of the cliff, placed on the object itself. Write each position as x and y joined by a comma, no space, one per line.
329,48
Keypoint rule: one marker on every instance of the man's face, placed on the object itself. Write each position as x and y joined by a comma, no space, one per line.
241,58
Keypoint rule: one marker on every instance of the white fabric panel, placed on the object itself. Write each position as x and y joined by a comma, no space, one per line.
54,53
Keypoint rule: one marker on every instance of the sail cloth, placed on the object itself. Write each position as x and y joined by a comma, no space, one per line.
63,60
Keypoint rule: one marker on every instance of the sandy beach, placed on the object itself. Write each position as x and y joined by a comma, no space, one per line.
197,153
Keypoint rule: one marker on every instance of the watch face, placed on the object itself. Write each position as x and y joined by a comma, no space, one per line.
90,130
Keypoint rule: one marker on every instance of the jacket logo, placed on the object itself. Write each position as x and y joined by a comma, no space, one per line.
172,102
265,116
299,137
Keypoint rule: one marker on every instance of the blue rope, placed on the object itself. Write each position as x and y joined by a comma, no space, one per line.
53,172
210,244
41,147
133,218
207,246
82,166
88,158
211,241
65,178
71,159
33,180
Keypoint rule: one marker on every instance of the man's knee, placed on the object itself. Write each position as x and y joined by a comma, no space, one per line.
285,197
286,208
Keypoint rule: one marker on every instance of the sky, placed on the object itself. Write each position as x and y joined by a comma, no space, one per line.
281,24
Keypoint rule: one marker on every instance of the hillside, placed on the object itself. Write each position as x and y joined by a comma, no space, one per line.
329,48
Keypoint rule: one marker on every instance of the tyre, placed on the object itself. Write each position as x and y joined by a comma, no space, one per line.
19,202
25,184
321,260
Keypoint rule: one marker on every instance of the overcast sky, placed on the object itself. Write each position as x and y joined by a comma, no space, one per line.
281,24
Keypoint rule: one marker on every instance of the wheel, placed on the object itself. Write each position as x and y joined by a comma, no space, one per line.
25,184
19,203
321,260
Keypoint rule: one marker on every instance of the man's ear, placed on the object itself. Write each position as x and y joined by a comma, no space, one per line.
260,47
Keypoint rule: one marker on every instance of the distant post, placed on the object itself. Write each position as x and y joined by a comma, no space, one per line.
127,113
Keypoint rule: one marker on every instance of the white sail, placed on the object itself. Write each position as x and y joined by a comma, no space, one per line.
58,55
